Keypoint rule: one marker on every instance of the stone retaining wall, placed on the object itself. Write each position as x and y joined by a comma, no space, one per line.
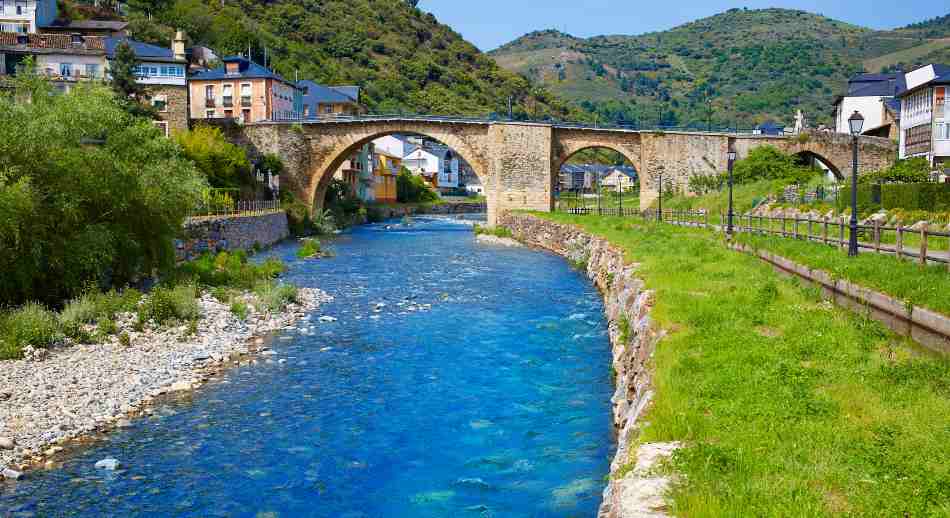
230,233
633,340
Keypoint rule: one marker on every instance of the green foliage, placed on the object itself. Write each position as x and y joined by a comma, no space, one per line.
164,305
74,213
869,198
497,231
298,214
31,325
931,197
94,307
704,184
768,163
125,340
912,170
411,188
341,206
223,163
239,309
405,60
275,297
310,248
226,270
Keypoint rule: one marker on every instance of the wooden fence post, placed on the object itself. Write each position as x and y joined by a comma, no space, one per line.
824,230
841,231
795,228
923,244
809,227
877,236
900,241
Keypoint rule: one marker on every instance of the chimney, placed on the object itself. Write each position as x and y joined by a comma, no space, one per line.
178,45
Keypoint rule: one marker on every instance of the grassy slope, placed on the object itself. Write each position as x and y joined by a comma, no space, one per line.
789,406
911,55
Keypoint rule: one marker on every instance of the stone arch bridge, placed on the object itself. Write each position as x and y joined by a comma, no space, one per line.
518,162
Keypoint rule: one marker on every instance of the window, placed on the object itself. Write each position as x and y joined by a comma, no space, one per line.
246,115
92,70
162,125
227,95
209,114
209,96
66,69
328,109
160,103
943,131
229,114
245,94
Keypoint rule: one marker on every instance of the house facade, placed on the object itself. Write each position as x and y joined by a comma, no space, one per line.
242,90
163,73
26,16
925,118
874,97
317,100
388,153
619,178
63,59
437,164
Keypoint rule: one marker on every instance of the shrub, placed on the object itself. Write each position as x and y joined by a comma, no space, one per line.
227,270
912,170
768,163
298,214
74,214
413,189
106,327
239,309
934,197
275,297
90,307
309,248
31,325
164,305
125,340
224,164
497,231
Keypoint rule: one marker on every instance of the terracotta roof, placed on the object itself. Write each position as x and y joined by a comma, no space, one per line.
52,42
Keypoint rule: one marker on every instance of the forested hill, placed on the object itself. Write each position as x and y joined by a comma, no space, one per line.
404,59
751,65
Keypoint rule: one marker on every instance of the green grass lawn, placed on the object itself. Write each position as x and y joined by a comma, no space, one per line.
788,405
907,280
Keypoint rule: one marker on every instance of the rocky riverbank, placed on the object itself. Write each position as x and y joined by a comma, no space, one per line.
53,397
634,488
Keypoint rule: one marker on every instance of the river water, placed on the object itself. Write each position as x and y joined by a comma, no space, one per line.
458,380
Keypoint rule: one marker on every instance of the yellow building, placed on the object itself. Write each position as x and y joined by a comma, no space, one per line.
385,170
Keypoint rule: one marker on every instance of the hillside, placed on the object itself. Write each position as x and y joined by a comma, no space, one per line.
405,60
741,66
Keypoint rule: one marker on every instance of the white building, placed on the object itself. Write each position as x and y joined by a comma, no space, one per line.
437,163
925,117
390,145
620,178
26,16
869,95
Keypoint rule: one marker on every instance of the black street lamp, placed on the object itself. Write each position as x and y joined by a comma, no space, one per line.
732,160
855,123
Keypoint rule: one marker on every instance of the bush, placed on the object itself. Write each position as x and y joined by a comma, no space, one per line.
275,297
227,270
31,325
223,164
298,214
912,170
239,309
90,307
768,163
164,305
413,189
74,214
309,248
933,197
869,198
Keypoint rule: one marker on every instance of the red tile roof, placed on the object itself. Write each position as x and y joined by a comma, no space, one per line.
52,42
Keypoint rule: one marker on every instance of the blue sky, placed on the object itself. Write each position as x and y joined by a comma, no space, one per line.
491,23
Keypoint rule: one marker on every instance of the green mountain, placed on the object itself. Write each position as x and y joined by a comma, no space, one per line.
403,58
741,66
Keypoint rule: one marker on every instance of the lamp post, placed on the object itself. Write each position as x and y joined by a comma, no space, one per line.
659,210
855,123
620,189
732,160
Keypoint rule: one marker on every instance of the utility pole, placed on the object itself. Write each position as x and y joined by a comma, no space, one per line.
510,108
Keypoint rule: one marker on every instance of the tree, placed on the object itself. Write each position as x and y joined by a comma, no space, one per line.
88,193
125,83
413,189
768,163
224,164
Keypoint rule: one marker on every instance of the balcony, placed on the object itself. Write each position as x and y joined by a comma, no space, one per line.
245,101
227,101
210,103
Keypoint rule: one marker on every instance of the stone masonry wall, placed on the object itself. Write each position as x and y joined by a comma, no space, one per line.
633,339
176,114
230,233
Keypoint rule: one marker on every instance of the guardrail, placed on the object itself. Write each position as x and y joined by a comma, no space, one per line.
237,208
919,242
625,126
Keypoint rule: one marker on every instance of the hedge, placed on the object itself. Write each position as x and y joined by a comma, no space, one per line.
934,197
869,197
